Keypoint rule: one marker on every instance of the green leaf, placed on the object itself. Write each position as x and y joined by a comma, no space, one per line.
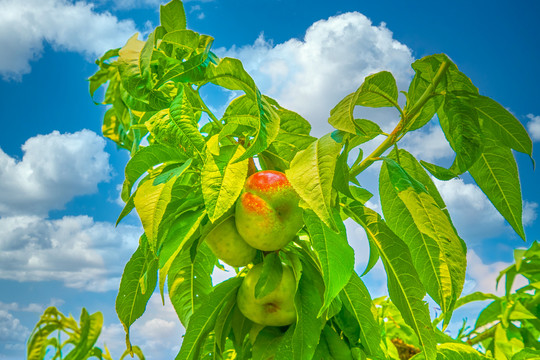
189,282
500,122
180,232
89,332
334,252
270,277
203,320
404,285
187,40
181,114
172,16
293,136
527,354
136,287
417,218
452,351
223,179
426,113
312,173
336,345
146,159
300,340
359,323
378,90
475,296
231,75
496,173
134,82
266,343
461,127
151,202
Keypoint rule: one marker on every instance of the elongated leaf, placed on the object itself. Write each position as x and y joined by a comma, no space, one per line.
415,216
223,179
293,136
500,122
301,339
172,16
312,173
360,324
134,82
136,287
89,332
230,74
151,203
475,296
145,159
496,173
377,90
183,228
182,116
336,345
461,127
270,277
203,320
453,351
404,288
334,252
189,282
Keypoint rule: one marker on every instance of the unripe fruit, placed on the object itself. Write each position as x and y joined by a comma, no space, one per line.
267,212
274,309
227,244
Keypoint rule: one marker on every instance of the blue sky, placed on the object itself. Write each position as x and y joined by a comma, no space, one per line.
59,179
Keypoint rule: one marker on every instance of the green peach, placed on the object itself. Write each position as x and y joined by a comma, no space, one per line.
274,309
227,244
267,213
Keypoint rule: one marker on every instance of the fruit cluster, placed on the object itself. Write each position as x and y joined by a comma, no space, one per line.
267,217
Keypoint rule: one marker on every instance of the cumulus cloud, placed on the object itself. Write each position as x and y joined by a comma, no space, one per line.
76,250
11,329
484,276
312,75
473,214
138,4
26,25
158,332
534,126
428,144
54,169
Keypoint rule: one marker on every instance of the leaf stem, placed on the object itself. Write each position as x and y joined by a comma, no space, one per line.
483,336
401,127
205,108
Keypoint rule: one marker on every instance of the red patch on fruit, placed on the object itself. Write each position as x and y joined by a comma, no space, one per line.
253,203
267,181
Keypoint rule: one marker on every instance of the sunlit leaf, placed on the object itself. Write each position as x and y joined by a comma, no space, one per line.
312,173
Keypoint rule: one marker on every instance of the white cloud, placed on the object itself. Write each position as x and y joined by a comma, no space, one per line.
13,306
76,250
485,275
427,144
534,126
54,169
473,214
529,212
26,25
11,329
158,332
312,75
138,4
